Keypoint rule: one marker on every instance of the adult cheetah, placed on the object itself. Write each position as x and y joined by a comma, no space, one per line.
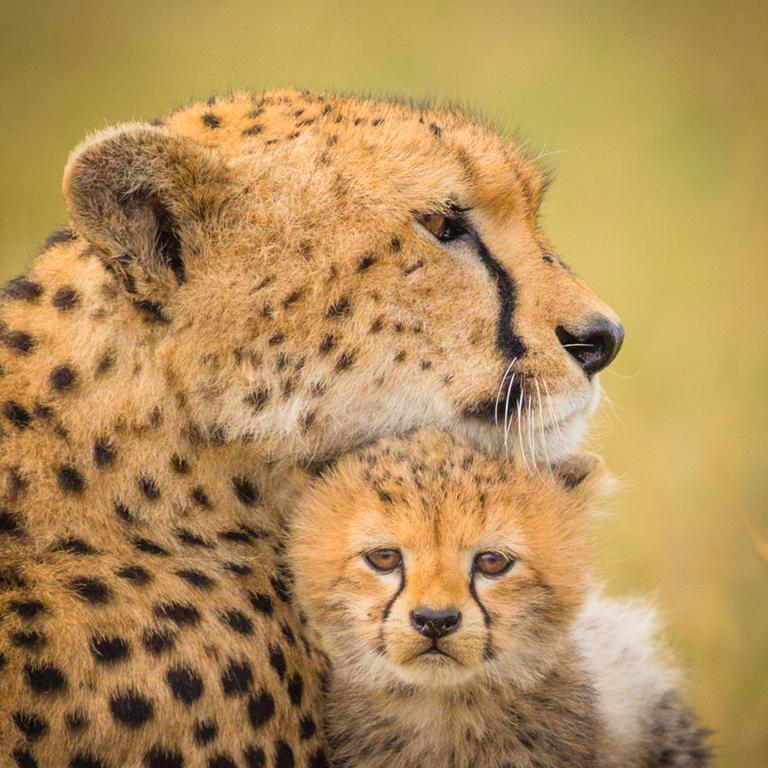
245,286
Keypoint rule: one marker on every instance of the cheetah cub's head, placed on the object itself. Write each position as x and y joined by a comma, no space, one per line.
424,561
324,270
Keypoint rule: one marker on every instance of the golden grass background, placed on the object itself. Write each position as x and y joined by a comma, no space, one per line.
656,118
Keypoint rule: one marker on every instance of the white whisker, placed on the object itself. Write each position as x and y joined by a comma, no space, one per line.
507,421
541,424
519,422
498,394
530,436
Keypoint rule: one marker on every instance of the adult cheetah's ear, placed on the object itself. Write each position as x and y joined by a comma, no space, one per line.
143,198
582,473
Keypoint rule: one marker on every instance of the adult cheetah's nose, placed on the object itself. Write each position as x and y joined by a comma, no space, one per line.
595,346
435,624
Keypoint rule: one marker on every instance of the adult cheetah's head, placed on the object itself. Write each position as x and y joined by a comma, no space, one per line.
326,270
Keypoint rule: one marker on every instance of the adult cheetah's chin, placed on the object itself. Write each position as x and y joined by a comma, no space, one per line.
539,428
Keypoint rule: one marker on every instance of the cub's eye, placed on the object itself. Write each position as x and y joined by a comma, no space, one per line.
493,563
384,560
443,227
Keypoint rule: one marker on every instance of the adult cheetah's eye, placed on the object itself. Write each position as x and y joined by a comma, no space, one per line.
493,563
444,227
384,560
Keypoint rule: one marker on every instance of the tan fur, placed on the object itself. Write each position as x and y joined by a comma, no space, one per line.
541,671
244,286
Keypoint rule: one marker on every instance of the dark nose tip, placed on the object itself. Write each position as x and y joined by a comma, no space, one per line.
435,624
595,346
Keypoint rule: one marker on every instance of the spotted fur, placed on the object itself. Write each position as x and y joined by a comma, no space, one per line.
535,668
242,286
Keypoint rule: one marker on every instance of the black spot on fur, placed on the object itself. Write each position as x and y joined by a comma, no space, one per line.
10,523
253,130
27,609
366,262
65,298
183,614
261,602
109,650
276,339
91,589
237,678
163,757
296,689
200,497
327,344
76,721
205,731
22,289
307,728
346,360
318,760
277,660
16,414
284,756
179,465
413,268
123,513
74,546
149,488
62,377
131,708
211,121
185,684
261,708
247,493
340,308
241,569
103,452
135,574
238,621
45,678
157,641
150,547
190,539
151,311
30,640
281,589
257,399
20,342
23,758
196,578
221,760
254,757
85,760
70,479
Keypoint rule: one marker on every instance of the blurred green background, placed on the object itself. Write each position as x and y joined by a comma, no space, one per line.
654,116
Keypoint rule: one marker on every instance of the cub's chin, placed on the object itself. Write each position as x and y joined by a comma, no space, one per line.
435,670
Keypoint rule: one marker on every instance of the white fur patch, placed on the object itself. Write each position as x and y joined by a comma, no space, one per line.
630,670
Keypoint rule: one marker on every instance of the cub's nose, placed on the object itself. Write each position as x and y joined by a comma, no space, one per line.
595,346
435,624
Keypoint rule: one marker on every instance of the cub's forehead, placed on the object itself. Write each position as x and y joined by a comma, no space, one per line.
326,129
429,488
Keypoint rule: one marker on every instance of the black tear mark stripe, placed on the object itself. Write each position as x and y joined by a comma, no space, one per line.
508,342
473,592
388,606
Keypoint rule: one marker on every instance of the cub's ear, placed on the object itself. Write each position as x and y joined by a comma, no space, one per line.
143,198
582,473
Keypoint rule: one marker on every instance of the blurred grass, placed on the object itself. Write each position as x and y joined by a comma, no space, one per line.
658,117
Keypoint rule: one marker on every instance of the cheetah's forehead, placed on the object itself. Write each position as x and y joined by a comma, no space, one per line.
277,122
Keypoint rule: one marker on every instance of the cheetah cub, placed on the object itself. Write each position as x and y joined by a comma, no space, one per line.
453,594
